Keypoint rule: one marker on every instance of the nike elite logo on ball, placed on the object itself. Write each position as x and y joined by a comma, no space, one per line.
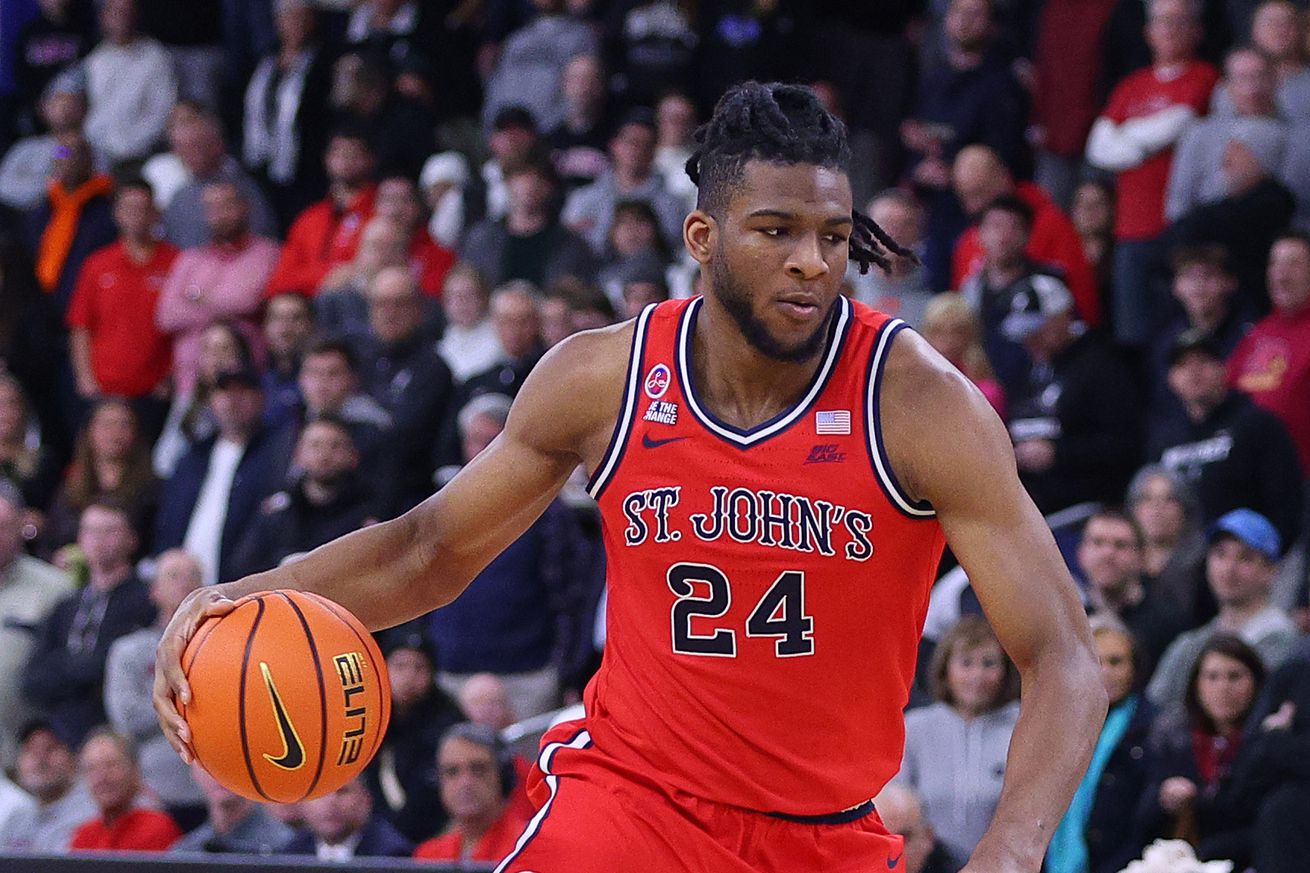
293,751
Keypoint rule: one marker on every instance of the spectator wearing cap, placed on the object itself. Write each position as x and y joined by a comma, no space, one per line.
590,211
65,675
1272,363
326,233
406,376
129,684
233,824
1232,452
1196,175
979,177
469,343
1206,289
529,242
108,762
521,617
1240,565
28,165
444,181
402,778
1134,137
1074,422
29,591
130,86
476,778
328,499
286,112
214,493
530,69
47,770
1005,228
514,139
197,140
115,347
223,279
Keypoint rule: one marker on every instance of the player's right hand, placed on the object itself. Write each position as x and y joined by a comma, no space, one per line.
171,686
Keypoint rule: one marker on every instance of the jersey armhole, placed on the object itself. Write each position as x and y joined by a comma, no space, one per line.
882,468
609,462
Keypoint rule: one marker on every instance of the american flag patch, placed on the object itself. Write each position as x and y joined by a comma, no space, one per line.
832,422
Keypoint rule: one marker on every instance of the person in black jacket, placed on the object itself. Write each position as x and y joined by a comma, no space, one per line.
1075,425
1099,833
65,676
327,501
342,826
401,778
1231,451
1190,794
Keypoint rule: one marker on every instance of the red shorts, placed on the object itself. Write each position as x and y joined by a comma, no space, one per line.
597,816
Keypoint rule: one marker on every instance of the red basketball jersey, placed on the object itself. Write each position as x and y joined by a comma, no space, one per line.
767,587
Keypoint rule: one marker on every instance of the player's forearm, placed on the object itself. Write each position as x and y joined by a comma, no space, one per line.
1061,716
383,574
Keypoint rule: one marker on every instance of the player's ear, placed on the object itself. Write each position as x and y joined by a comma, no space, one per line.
698,235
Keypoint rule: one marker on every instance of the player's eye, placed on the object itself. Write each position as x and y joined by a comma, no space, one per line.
774,232
836,238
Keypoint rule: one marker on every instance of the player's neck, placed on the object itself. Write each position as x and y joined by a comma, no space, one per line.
739,383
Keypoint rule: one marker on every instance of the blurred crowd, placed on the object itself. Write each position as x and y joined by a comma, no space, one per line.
273,270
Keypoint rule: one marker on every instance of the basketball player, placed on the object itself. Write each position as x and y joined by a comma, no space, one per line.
777,470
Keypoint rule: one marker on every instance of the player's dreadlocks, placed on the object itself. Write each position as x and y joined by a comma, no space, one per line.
782,124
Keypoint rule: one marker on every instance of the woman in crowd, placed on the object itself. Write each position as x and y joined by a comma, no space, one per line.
1188,797
1099,834
951,326
111,458
469,344
955,749
1173,562
223,347
1093,217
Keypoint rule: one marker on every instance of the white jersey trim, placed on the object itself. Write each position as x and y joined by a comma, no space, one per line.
581,741
623,427
877,451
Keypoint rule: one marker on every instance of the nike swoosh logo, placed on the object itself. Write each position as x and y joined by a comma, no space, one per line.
892,862
293,751
655,444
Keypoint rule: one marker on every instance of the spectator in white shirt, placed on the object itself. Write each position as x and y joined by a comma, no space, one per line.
130,86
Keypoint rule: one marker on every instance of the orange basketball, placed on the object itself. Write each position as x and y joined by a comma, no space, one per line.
289,696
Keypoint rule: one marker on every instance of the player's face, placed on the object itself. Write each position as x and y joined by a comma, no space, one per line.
1116,655
470,783
779,255
974,675
1225,688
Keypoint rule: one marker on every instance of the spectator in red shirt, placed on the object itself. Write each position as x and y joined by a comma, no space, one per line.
979,177
398,199
1272,363
476,775
115,347
1135,135
109,766
326,233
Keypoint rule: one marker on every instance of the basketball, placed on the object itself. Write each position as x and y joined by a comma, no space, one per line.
289,696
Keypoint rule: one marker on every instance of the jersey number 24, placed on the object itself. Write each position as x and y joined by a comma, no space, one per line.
780,613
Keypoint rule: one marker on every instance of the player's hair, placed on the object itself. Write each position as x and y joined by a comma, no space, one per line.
779,124
969,632
1230,646
1118,516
